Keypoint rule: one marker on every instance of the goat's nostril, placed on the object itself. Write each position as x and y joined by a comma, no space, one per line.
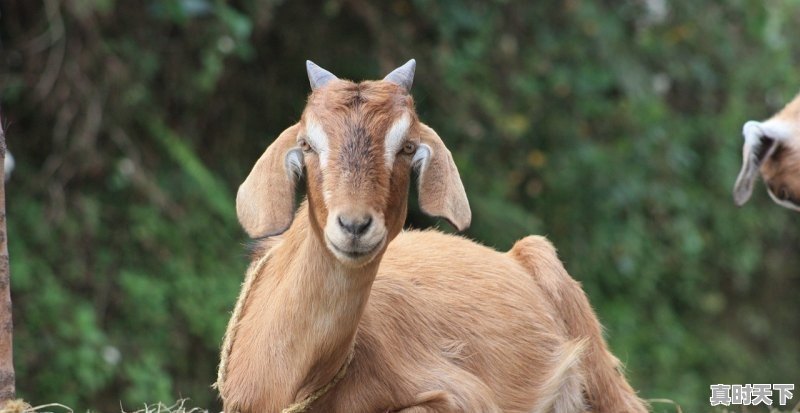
357,226
365,225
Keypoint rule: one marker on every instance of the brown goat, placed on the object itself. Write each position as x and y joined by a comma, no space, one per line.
773,148
432,322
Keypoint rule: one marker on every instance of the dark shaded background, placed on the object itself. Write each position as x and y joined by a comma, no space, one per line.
612,127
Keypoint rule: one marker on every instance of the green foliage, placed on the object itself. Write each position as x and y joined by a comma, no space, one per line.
611,127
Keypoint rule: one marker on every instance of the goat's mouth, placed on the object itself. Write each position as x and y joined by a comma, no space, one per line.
355,253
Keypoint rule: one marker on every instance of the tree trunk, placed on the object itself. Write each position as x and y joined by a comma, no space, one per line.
7,382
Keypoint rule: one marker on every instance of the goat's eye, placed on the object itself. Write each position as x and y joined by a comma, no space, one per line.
409,148
304,145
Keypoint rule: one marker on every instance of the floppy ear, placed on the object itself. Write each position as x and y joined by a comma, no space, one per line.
441,192
759,144
265,201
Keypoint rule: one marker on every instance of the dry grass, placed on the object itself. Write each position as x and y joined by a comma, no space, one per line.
20,406
747,409
178,407
15,406
654,403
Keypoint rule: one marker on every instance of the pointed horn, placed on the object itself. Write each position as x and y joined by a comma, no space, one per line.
317,76
403,75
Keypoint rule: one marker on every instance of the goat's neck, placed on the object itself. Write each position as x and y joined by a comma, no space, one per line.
314,306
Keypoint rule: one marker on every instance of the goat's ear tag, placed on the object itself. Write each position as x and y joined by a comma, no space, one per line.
441,192
265,200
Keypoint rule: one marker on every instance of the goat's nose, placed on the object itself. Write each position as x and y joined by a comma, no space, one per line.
355,225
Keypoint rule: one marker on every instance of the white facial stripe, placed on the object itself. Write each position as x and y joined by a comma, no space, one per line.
318,140
778,130
753,131
395,138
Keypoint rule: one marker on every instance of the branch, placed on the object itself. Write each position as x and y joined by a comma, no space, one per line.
7,379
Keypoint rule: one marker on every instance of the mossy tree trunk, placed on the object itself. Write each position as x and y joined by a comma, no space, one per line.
7,391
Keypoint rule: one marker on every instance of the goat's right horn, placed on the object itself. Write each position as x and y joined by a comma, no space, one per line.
403,75
317,76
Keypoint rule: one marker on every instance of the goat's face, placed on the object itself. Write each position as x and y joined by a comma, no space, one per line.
773,149
357,144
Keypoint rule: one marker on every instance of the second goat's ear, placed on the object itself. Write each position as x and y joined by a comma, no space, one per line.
759,144
265,201
441,192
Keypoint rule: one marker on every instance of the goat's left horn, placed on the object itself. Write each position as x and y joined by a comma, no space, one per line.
403,75
317,76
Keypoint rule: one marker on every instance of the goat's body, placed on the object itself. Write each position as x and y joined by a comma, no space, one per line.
446,314
453,326
431,322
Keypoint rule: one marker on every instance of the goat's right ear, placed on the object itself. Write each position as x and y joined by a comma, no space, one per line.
265,201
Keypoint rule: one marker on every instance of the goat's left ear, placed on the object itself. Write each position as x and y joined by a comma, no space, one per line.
265,201
441,192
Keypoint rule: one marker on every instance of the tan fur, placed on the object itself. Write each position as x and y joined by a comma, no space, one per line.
606,387
781,171
265,200
780,167
436,323
441,192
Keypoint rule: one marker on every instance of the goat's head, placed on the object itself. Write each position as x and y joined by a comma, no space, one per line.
357,144
773,149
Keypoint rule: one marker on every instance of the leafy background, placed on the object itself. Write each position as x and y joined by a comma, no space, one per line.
613,127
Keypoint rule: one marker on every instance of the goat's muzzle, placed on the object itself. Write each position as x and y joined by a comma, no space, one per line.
355,237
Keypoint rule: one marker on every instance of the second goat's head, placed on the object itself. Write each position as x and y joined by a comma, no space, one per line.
772,148
357,145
